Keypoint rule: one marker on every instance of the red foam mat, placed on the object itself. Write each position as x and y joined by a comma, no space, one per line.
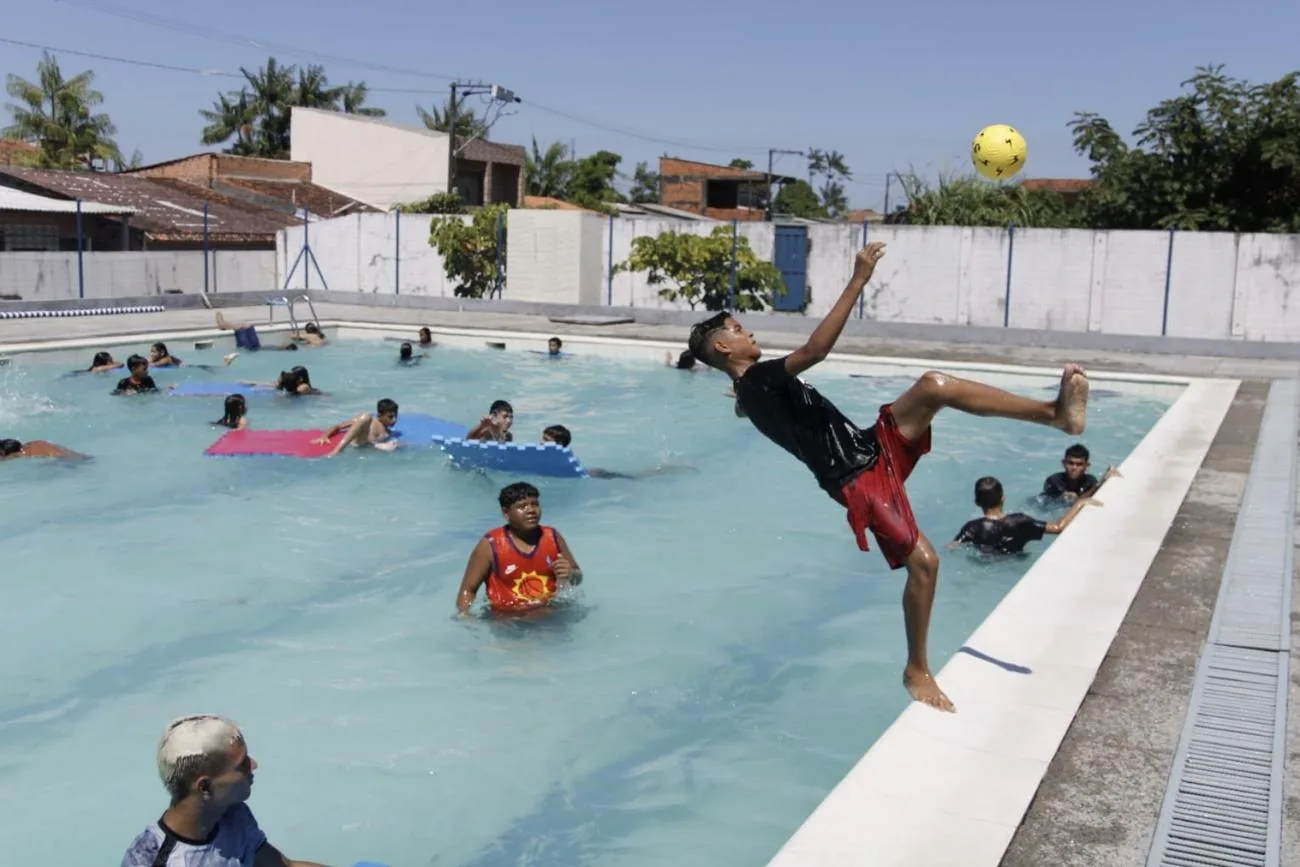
272,443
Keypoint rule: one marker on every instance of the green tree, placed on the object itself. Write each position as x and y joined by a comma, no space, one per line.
257,116
831,168
468,123
470,250
58,114
549,172
1222,156
697,269
438,203
645,185
798,199
591,185
739,163
970,201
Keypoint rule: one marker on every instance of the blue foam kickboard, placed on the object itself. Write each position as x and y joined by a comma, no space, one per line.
217,389
369,864
416,429
538,459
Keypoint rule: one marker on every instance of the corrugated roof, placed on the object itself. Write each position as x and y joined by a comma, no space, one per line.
294,195
17,200
163,208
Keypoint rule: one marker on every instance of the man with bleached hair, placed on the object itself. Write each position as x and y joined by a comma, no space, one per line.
206,769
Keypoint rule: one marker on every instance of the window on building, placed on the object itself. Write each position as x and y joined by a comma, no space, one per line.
729,195
25,238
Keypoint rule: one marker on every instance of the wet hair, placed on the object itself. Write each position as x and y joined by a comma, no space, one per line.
988,493
160,348
311,328
425,333
192,747
385,406
702,331
10,447
236,408
501,406
512,494
1078,452
686,360
559,434
101,358
137,361
557,341
405,351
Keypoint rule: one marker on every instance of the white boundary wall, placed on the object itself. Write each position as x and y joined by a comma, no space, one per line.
54,276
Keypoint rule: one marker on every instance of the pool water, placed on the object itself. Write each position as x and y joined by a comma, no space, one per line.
729,658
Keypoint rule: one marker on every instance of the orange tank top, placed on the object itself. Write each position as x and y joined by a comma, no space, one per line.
519,579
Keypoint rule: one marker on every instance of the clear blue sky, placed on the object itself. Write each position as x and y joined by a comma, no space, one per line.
892,86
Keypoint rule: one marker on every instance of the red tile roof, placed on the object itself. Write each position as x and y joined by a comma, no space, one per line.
165,209
16,153
1056,185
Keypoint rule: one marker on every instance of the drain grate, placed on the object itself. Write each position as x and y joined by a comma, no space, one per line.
1224,803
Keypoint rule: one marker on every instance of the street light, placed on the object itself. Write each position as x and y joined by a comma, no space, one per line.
771,154
460,89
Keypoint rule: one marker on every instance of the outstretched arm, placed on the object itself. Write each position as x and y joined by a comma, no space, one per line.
476,573
822,340
1057,527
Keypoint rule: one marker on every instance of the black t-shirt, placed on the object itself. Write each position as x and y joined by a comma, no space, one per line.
1006,535
1058,484
130,386
795,416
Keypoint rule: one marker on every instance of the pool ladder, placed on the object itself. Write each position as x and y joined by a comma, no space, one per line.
287,303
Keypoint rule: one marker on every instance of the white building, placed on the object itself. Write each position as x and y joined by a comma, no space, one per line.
386,164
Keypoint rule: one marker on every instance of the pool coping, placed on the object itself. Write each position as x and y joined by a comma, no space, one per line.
935,788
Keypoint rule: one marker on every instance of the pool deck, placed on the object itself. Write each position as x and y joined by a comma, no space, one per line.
1100,798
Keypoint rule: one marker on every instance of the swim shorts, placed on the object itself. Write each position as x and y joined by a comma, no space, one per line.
877,498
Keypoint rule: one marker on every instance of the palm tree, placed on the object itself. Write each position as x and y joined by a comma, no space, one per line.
257,116
548,173
468,123
56,113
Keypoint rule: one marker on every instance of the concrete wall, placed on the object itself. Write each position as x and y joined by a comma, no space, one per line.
1220,286
367,159
370,253
53,276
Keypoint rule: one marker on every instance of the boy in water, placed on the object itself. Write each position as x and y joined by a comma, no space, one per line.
139,382
13,449
496,424
1075,481
365,429
865,470
999,533
523,563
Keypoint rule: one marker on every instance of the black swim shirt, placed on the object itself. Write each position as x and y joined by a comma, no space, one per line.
130,386
1006,535
795,416
1058,484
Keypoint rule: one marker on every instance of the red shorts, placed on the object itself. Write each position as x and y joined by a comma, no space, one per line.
877,498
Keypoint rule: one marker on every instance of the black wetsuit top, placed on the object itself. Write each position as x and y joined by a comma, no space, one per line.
130,386
1059,484
795,416
1006,535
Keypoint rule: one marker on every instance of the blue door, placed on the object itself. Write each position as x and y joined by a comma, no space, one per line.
790,255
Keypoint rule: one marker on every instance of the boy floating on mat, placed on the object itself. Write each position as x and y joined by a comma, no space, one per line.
999,533
864,470
523,563
365,430
496,424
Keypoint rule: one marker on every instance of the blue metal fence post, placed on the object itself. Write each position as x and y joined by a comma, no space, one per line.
81,266
501,255
1169,273
205,249
862,299
735,242
397,255
609,277
1006,298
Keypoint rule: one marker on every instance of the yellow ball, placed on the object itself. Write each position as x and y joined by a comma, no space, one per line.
998,152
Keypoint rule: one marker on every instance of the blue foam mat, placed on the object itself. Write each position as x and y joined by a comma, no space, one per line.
537,459
417,429
217,389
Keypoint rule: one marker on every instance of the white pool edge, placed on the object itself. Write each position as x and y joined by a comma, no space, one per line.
940,789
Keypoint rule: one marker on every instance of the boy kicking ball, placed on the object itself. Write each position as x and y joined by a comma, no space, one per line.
864,470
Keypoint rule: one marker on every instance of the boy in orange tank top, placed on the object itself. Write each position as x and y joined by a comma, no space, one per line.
524,564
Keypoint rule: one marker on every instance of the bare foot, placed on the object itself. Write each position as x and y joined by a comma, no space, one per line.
228,359
925,689
222,323
1072,402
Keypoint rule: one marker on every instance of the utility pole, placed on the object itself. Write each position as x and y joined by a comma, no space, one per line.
771,157
460,89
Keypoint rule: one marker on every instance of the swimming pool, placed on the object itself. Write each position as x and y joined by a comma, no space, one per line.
731,655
